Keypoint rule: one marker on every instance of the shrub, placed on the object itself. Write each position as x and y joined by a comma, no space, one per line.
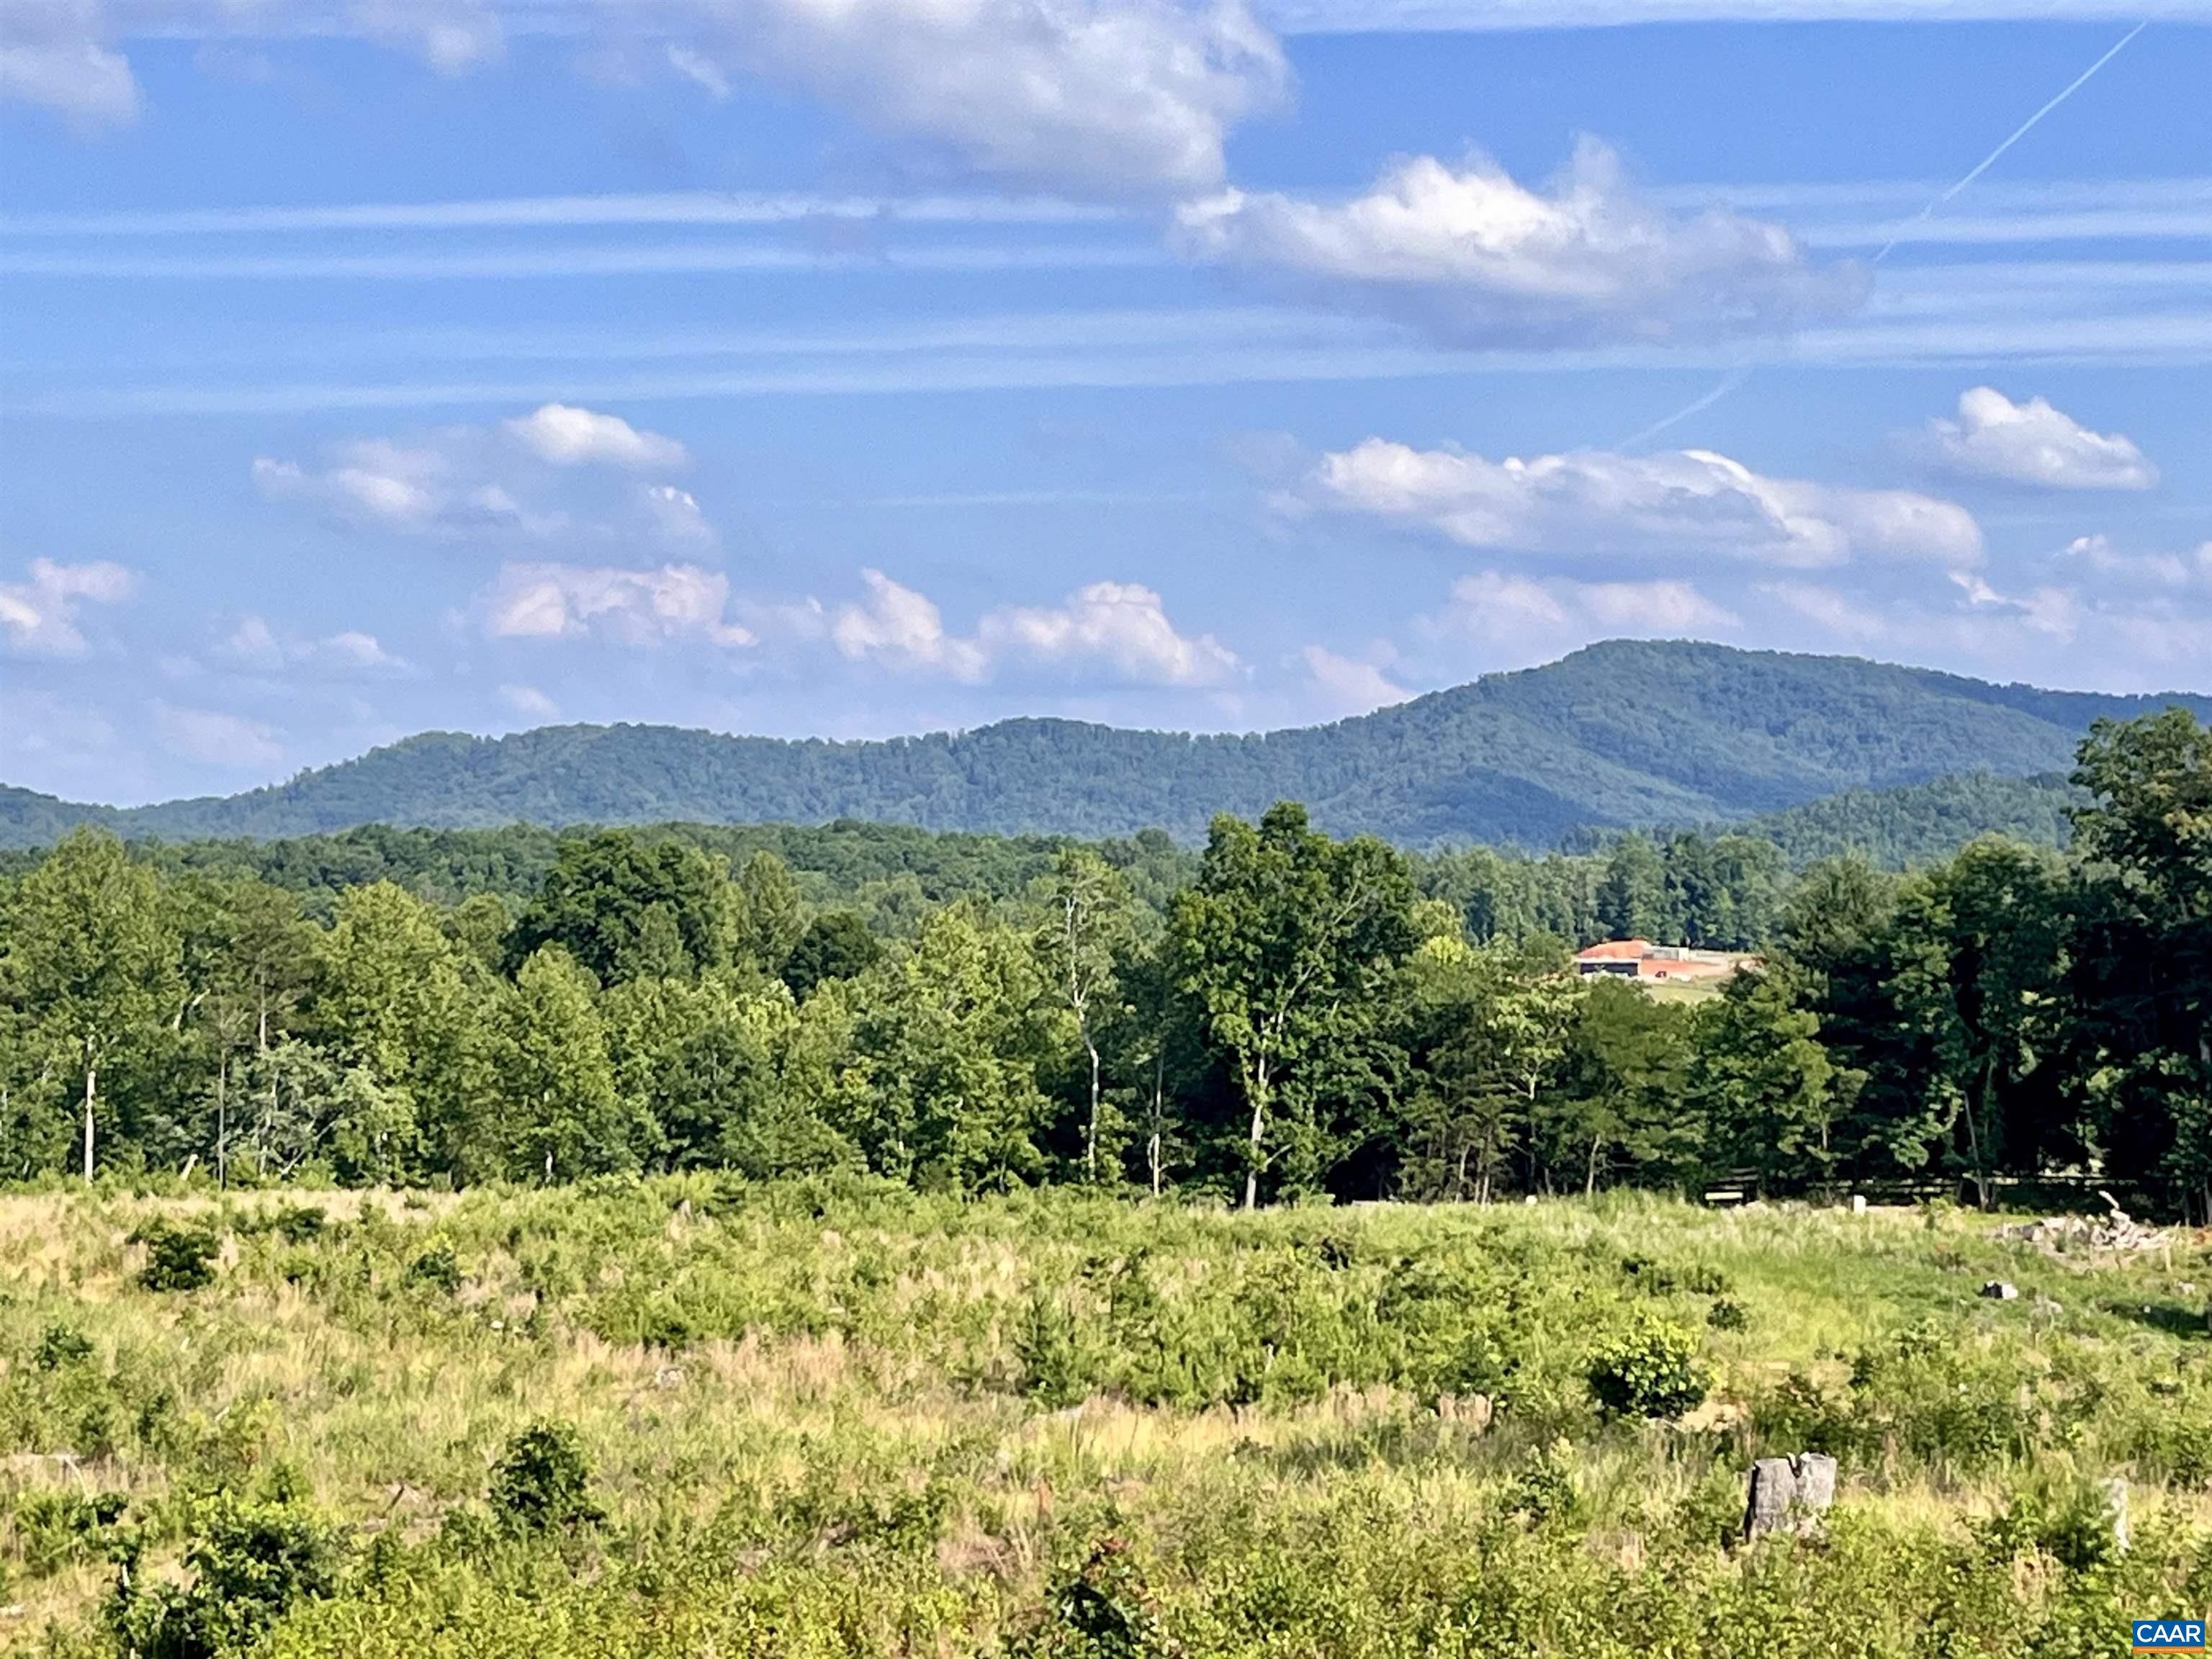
252,1564
178,1257
436,1267
1055,1370
1727,1315
1649,1369
542,1481
59,1345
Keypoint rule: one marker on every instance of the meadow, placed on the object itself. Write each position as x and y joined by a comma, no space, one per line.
689,1415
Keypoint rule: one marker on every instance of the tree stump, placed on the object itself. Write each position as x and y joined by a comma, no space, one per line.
1789,1494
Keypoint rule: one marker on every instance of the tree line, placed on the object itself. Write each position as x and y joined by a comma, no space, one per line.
1286,1014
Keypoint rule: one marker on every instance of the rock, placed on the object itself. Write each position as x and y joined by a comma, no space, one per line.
1999,1289
1789,1494
1858,1203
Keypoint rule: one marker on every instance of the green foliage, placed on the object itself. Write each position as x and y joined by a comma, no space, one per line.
178,1257
252,1563
542,1481
1649,1369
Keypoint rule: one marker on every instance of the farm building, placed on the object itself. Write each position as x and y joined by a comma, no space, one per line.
1639,958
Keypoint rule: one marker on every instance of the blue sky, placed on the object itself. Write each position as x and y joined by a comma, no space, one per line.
858,366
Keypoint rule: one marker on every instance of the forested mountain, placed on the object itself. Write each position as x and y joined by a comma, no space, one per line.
1627,732
1921,824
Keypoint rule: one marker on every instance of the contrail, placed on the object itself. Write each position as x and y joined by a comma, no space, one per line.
2019,133
1737,377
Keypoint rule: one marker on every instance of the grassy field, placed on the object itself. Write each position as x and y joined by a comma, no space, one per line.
681,1418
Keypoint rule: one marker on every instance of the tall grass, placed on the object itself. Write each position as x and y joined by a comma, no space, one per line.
849,1419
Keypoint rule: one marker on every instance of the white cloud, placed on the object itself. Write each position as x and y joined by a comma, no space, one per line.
385,485
699,69
2143,569
1118,625
1831,611
2033,443
1122,629
530,703
905,629
568,436
454,36
676,513
1478,259
1529,620
215,739
1682,502
1347,685
53,54
41,615
531,476
253,643
641,607
1108,97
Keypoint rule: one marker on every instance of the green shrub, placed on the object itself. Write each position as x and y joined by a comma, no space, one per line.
178,1257
541,1482
1728,1315
1056,1372
252,1564
1649,1369
436,1267
60,1345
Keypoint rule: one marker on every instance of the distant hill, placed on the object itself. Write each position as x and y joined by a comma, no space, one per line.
1918,823
1625,732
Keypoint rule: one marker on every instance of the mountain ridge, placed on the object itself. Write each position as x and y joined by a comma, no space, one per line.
1620,734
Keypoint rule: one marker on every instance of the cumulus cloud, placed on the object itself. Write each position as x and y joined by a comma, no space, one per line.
904,629
1120,626
2035,444
214,739
466,481
1121,629
1107,97
2170,570
41,616
1532,620
253,643
530,703
568,436
416,490
54,53
1348,685
1687,501
661,605
1477,259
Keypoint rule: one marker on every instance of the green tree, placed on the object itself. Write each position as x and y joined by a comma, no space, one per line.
1088,929
560,1113
1283,927
1763,1084
952,1034
625,908
1633,901
92,963
836,945
1623,1077
2142,981
770,918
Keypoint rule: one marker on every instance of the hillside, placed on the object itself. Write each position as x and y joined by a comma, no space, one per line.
1918,823
1625,732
